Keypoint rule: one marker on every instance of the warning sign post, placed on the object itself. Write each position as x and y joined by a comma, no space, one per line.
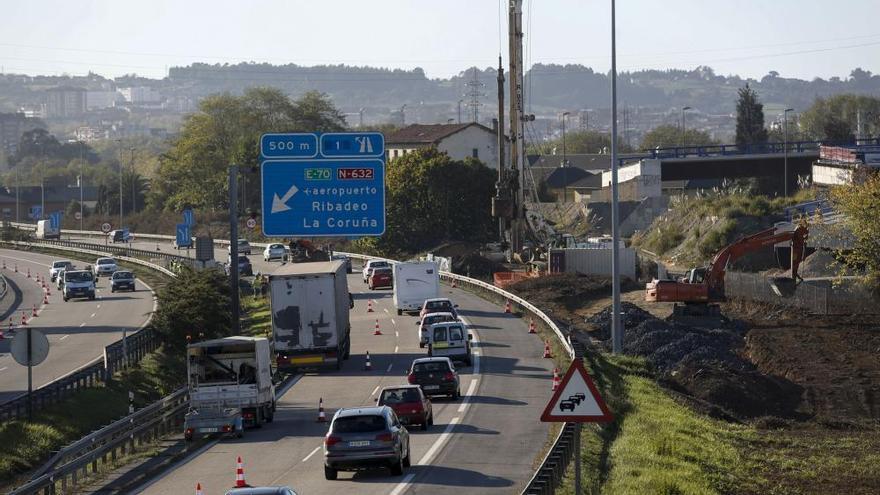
576,400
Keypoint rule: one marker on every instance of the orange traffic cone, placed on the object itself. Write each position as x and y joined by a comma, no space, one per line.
46,298
556,379
11,326
239,475
370,306
199,489
16,268
23,319
1,334
29,273
454,285
532,326
547,353
368,366
34,312
507,308
377,332
322,418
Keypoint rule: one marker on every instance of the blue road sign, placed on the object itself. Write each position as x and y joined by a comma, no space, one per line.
291,145
188,217
182,235
55,220
36,212
352,144
323,197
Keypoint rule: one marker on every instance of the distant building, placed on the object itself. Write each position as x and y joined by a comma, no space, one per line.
101,99
838,165
12,126
138,95
65,102
459,141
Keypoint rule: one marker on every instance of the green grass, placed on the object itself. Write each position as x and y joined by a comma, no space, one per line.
257,316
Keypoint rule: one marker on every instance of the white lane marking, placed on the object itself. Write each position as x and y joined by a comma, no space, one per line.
389,368
385,309
62,338
82,324
311,453
438,444
393,322
374,390
4,368
93,315
470,393
403,484
396,348
99,306
396,334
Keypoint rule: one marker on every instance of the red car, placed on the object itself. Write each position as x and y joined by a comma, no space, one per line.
409,404
381,277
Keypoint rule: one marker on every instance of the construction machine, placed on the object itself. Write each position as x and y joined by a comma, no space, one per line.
701,287
303,251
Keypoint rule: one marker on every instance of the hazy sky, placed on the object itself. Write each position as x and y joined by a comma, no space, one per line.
797,38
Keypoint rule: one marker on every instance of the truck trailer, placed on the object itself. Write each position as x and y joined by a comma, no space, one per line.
310,306
413,283
230,386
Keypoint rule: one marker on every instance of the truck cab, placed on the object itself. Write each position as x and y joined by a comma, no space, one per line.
450,339
78,283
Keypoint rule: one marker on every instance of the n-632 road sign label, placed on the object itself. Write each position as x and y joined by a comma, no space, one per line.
325,197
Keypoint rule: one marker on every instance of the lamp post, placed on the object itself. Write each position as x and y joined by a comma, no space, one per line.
403,115
616,323
564,161
361,117
81,146
785,149
133,198
459,110
683,127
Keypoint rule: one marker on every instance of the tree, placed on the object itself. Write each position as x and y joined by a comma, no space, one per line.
226,130
431,198
750,129
836,119
581,142
195,302
859,202
665,136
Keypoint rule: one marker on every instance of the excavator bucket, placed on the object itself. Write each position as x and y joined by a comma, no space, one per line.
783,286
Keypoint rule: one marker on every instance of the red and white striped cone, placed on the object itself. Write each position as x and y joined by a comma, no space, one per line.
547,352
322,418
370,306
377,331
23,319
556,380
1,334
46,298
239,474
199,489
16,268
368,366
29,273
532,326
507,308
11,326
34,312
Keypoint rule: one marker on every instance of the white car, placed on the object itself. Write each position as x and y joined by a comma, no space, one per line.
370,265
104,266
57,266
274,252
429,320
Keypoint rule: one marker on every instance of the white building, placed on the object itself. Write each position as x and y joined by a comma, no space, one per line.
637,181
459,141
96,100
140,94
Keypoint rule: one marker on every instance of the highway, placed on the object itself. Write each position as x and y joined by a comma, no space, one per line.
77,330
485,442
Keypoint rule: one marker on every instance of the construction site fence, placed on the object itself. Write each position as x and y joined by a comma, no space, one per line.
818,297
123,353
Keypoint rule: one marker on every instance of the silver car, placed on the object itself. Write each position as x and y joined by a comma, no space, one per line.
365,438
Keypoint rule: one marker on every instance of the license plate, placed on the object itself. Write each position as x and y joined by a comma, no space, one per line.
432,387
209,430
359,443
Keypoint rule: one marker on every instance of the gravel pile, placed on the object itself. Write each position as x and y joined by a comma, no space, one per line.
600,324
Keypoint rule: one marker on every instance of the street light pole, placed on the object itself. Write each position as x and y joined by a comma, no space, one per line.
564,161
403,115
785,150
459,111
683,127
133,199
616,323
81,145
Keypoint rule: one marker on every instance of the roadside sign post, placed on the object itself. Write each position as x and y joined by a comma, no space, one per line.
233,246
29,349
327,185
576,400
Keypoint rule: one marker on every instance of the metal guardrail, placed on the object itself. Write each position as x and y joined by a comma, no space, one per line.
78,459
117,355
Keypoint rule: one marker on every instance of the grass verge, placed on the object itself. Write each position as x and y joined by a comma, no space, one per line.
257,319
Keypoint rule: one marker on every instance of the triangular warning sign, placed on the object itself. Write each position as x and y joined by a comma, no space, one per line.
576,399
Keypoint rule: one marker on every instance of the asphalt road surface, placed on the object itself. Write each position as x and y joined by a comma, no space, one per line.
77,330
485,442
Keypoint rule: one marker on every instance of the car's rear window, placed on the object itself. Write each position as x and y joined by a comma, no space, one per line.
59,264
276,246
106,261
400,395
382,271
77,276
430,366
377,264
359,424
122,275
437,305
430,320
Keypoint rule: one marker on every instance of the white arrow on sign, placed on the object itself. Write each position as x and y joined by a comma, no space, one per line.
280,204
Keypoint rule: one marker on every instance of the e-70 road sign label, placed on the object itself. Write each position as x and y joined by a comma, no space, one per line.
323,197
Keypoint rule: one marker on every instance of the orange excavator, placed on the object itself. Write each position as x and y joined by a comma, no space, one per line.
302,251
705,285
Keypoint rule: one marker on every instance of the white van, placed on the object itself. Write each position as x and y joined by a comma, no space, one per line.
45,230
413,283
450,339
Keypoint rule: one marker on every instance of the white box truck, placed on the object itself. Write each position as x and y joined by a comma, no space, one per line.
45,231
310,307
413,283
230,385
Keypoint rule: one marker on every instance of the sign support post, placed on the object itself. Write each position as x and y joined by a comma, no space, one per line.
233,245
30,350
577,458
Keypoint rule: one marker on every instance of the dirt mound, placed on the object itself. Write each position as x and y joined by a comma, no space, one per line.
819,264
568,291
599,325
474,265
